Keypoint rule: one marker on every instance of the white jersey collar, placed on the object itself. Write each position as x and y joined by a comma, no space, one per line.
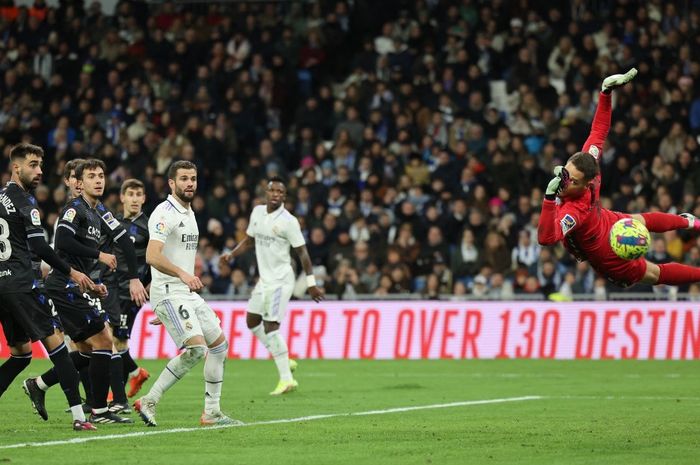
177,205
273,212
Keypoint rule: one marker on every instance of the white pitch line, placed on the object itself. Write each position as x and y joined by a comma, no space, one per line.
625,398
84,439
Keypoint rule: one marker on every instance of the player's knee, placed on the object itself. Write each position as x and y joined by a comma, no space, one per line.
220,348
253,320
193,354
21,349
83,347
22,354
639,217
121,344
652,273
101,340
271,326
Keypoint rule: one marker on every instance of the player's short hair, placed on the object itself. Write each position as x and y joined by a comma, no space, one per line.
586,164
89,165
72,165
20,151
180,165
279,180
132,184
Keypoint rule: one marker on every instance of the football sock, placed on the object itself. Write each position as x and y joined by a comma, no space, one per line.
77,412
674,274
99,378
129,365
175,370
84,373
50,377
278,349
67,375
12,367
662,222
214,376
116,379
259,332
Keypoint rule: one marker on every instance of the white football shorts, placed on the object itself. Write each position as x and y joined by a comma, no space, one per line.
185,316
270,301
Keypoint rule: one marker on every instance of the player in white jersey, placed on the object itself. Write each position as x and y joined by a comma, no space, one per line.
272,230
193,325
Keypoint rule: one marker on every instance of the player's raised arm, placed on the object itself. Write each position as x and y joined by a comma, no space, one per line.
601,121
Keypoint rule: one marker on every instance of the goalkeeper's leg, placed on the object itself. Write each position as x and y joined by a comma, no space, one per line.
662,222
673,274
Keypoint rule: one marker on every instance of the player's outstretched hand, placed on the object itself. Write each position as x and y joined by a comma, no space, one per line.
617,80
137,292
193,282
82,280
316,293
109,260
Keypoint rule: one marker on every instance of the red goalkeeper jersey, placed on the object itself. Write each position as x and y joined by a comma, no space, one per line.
582,225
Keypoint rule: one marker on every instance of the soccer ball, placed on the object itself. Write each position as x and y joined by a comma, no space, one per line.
629,239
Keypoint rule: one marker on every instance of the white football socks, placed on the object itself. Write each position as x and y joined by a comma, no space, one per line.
214,377
175,370
259,332
279,351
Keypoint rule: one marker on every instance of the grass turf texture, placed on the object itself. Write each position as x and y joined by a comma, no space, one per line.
603,412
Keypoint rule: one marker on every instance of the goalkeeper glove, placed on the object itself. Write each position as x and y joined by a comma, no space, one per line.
617,80
558,183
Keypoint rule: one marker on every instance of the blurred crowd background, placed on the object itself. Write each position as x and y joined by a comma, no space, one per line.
416,136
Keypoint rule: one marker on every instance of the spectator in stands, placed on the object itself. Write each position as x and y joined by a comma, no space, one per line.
433,119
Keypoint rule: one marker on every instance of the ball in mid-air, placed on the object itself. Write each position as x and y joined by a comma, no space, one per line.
629,239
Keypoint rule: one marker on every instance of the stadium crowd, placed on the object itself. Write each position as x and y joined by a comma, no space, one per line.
417,138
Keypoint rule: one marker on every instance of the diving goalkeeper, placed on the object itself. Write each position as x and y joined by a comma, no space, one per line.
571,211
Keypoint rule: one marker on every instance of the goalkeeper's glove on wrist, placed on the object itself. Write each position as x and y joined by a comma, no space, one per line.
557,184
617,80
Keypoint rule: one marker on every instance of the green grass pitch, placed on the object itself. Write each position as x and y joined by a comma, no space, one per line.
602,412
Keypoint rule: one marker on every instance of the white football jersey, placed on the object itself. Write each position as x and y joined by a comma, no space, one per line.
274,233
177,228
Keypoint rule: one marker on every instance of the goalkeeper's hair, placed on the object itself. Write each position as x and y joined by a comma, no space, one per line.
585,163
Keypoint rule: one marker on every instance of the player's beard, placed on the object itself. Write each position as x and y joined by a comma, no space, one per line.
184,196
29,182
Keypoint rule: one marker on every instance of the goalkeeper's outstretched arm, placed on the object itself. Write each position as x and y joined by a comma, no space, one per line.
603,113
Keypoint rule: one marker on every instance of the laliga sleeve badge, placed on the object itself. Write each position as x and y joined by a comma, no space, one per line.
594,150
36,218
110,220
69,215
567,224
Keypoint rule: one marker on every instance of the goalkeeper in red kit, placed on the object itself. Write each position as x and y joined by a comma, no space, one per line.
571,211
